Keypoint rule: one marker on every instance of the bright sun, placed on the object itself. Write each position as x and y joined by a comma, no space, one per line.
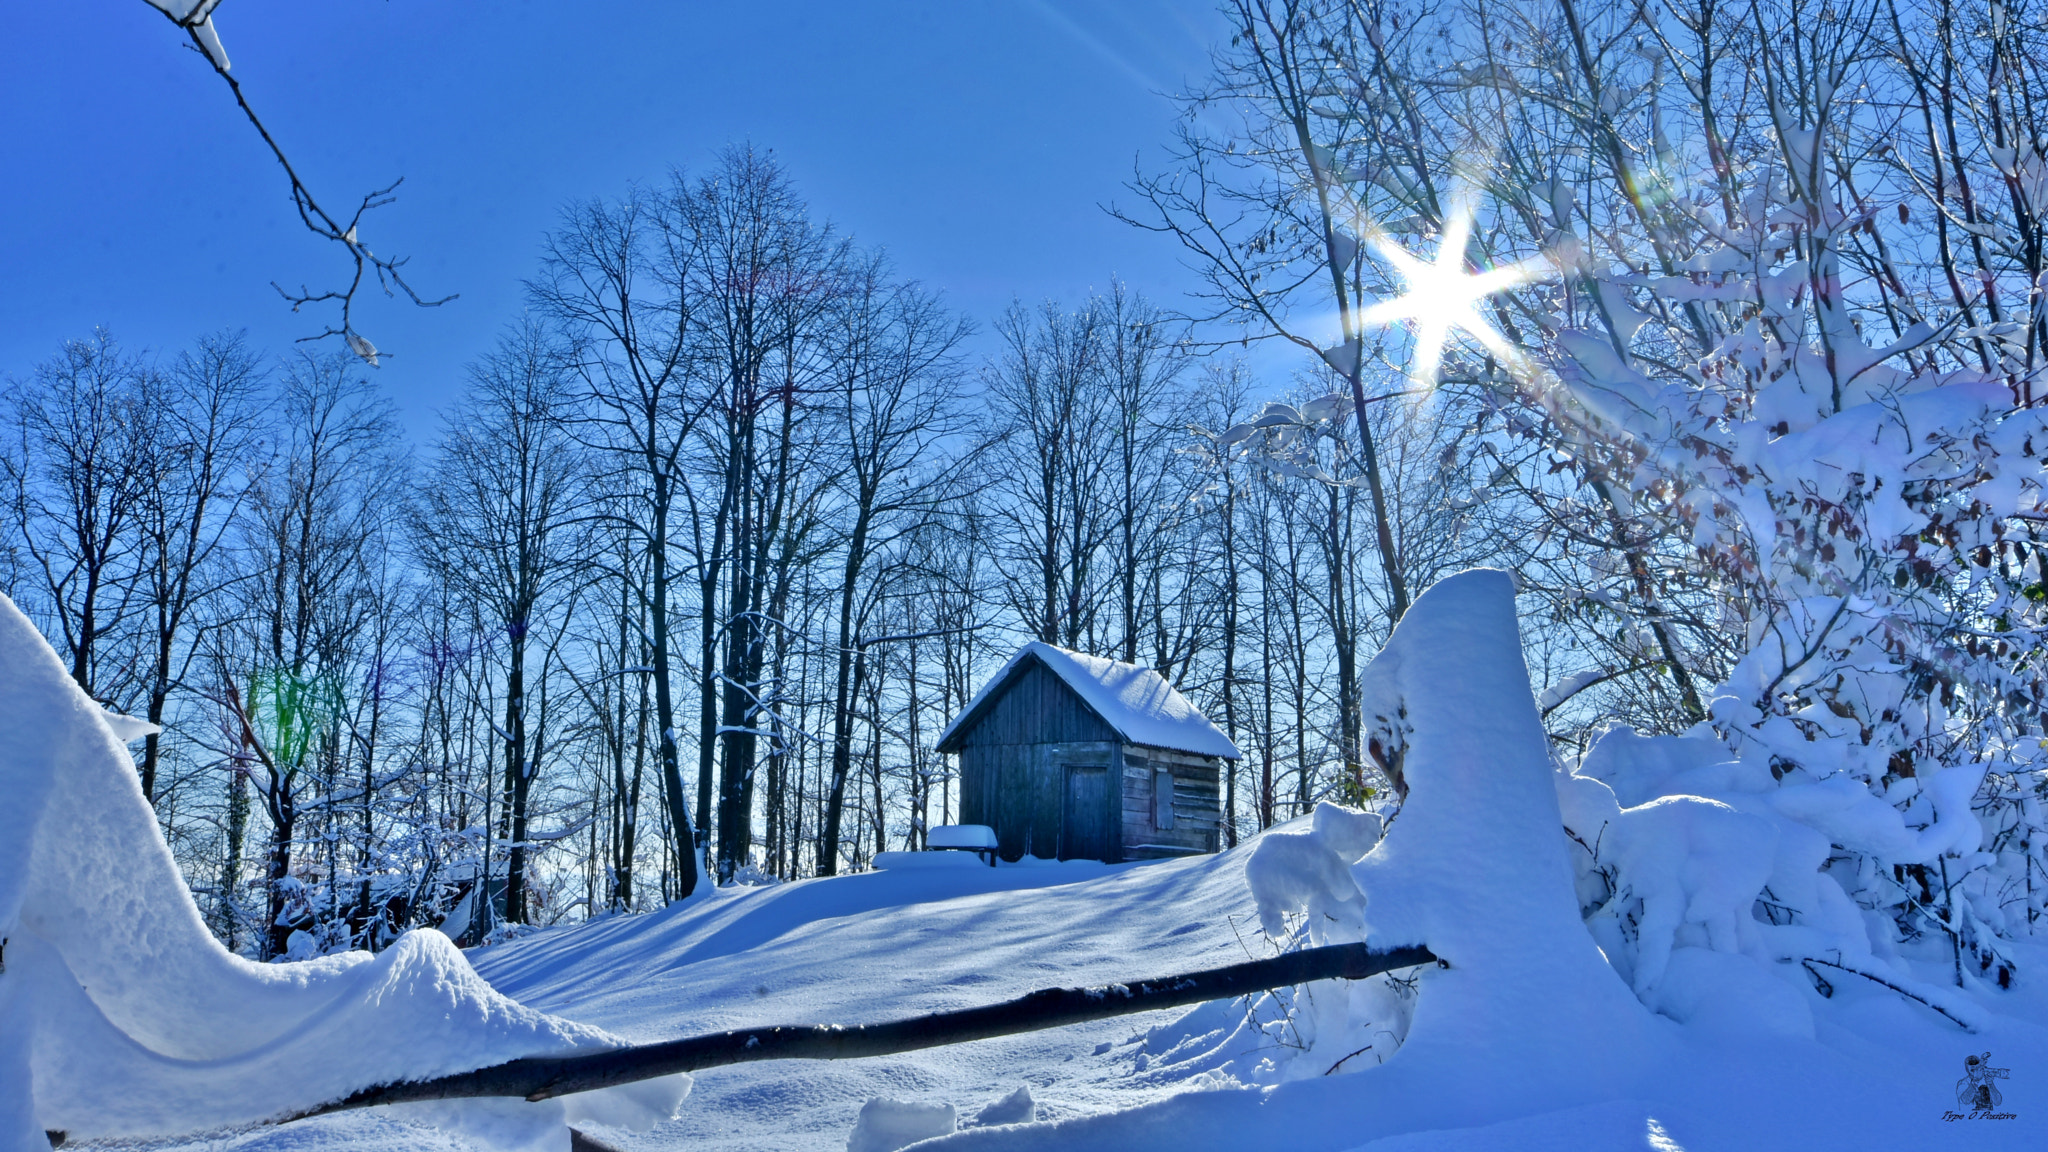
1440,296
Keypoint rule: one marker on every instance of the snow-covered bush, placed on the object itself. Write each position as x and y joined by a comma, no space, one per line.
1863,512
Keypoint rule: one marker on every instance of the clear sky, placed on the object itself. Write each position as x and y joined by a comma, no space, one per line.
974,139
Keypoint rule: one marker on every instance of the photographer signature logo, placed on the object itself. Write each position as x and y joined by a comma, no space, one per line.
1977,1092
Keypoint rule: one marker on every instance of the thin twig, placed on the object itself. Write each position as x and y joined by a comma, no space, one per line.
1874,978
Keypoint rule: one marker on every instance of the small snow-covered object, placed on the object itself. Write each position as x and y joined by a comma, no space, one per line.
196,15
1016,1108
128,729
905,861
1348,832
362,347
886,1125
961,836
979,839
1343,359
1310,872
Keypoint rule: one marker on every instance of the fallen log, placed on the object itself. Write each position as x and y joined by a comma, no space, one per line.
541,1078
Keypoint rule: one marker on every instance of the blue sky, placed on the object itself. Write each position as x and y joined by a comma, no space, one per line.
974,140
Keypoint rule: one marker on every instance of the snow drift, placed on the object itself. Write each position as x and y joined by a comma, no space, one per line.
120,1015
1472,867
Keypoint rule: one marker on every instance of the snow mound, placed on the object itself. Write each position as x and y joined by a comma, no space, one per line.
120,1015
1308,871
1474,865
886,1125
1016,1108
1711,892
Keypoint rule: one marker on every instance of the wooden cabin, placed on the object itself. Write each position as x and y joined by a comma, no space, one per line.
1075,757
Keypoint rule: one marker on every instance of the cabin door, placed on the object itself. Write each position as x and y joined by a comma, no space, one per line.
1085,826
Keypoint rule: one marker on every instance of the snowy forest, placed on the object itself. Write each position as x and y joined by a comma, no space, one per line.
1719,326
1591,469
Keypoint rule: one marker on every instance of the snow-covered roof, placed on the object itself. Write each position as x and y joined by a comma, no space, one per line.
1135,701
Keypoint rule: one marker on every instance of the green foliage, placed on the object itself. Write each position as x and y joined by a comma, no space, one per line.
291,711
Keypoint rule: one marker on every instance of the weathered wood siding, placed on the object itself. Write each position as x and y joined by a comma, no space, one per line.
1036,707
1197,804
1013,762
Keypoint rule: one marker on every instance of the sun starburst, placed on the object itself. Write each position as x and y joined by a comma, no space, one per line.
1439,297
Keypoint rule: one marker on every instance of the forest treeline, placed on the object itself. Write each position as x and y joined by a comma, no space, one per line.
1721,327
714,543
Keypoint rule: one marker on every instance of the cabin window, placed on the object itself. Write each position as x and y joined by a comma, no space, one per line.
1162,798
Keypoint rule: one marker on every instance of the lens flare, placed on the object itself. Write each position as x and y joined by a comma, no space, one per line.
1440,297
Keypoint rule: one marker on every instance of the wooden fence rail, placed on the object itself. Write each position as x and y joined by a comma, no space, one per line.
540,1078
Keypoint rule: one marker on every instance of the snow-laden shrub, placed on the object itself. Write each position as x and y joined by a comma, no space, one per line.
1705,894
1718,891
1865,516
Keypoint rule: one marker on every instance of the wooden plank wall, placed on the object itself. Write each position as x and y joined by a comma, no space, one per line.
1013,761
1197,804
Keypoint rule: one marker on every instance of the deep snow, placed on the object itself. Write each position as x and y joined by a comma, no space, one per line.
121,1015
1532,1039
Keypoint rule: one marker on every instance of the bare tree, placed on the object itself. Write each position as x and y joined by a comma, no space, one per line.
199,477
1048,417
618,278
764,279
497,524
893,408
316,519
77,472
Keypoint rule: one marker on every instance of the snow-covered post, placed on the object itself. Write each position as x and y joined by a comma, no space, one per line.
1473,866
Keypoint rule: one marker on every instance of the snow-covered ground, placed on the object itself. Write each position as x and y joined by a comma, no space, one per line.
884,945
1880,1074
120,1016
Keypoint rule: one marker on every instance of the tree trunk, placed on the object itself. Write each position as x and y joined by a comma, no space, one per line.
231,866
518,779
845,686
664,702
277,869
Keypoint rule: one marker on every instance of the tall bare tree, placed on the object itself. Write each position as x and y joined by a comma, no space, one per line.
619,278
498,524
316,520
205,465
77,470
893,407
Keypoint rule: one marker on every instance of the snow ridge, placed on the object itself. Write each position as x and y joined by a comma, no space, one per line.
120,1015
